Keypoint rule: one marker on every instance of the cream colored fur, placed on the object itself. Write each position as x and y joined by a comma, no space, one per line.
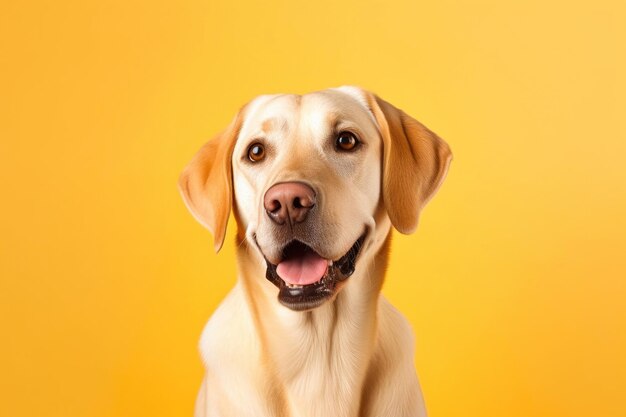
353,355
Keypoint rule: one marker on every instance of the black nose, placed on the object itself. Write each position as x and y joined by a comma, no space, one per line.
289,202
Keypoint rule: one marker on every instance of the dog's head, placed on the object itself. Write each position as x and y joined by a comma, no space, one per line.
308,176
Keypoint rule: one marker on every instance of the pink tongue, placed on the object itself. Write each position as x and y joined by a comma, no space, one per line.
303,270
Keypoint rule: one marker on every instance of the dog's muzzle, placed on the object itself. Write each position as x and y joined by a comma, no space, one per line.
308,296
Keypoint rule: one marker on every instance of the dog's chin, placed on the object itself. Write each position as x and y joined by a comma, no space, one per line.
309,296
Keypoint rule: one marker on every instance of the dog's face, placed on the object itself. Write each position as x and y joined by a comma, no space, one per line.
309,174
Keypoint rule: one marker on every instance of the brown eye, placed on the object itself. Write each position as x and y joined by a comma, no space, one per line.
346,141
256,152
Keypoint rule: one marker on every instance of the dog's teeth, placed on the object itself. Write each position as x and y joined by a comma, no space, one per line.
330,262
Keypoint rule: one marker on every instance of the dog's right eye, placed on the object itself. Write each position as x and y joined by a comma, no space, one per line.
256,152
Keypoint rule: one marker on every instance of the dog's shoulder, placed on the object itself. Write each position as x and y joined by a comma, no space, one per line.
395,332
392,387
233,360
229,336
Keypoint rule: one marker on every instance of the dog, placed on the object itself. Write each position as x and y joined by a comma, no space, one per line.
316,182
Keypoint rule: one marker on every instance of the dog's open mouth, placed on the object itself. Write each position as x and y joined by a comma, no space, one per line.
304,279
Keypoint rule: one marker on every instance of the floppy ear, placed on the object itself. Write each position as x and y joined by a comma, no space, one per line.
206,182
415,163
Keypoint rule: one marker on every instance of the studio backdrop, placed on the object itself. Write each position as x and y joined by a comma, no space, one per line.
514,284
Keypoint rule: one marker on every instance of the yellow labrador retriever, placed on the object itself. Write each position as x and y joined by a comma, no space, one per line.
315,182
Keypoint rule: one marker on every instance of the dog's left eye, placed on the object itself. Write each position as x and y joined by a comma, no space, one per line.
347,141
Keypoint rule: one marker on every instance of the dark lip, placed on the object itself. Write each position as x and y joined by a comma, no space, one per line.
310,296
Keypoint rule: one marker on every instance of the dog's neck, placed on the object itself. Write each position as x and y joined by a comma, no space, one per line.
320,355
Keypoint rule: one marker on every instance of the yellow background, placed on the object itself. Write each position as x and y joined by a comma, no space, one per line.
514,283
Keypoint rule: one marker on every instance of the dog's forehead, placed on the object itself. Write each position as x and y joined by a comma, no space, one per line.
316,110
270,111
329,106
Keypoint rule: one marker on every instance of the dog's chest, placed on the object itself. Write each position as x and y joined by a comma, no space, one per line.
319,394
323,367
